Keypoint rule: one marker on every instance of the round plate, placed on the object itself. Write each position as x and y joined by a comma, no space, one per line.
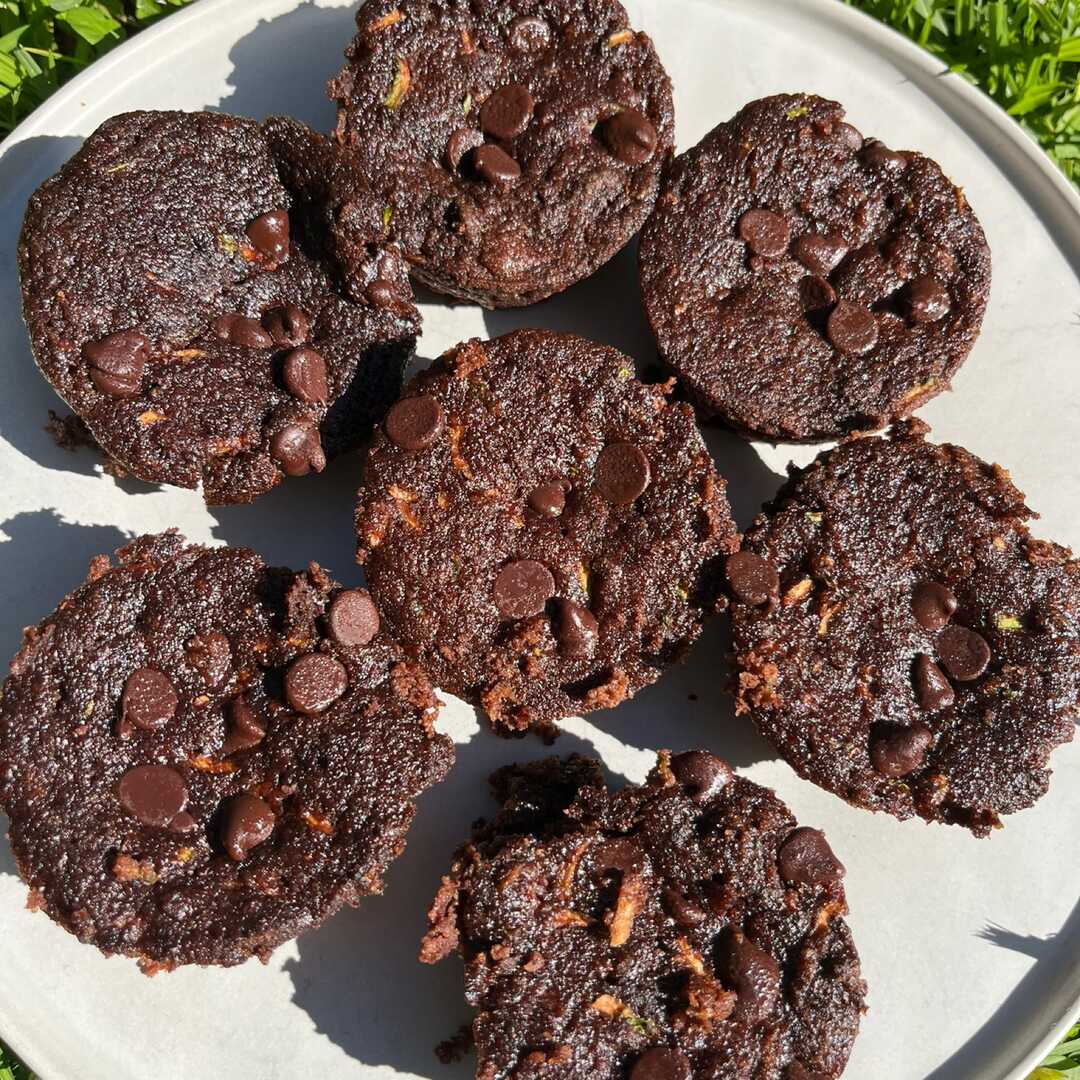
968,946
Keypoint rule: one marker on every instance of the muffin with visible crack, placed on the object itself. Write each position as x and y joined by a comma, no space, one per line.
540,530
684,928
202,757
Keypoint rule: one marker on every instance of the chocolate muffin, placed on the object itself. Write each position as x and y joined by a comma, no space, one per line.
183,301
804,282
682,928
540,530
520,143
201,757
902,639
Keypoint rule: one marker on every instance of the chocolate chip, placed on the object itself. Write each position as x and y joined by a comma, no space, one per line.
765,233
850,135
933,691
287,325
148,701
210,654
630,136
245,731
304,375
270,234
662,1063
460,143
878,156
507,112
117,362
522,588
964,652
381,293
755,975
242,331
493,164
298,450
246,822
899,751
926,299
548,500
529,33
353,619
576,629
619,853
702,775
806,858
414,423
314,682
852,328
819,254
153,794
933,605
182,823
752,579
622,473
683,910
816,293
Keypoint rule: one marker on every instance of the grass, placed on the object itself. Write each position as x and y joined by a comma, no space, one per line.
1024,53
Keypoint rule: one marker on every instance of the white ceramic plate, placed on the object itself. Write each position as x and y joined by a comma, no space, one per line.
969,946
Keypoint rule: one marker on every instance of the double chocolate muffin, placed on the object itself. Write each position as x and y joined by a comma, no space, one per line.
902,639
188,307
804,282
683,928
520,143
540,530
202,757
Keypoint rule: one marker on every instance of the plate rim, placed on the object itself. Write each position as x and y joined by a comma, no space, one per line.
851,21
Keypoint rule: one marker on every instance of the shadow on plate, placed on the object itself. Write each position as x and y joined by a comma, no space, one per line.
1029,944
358,978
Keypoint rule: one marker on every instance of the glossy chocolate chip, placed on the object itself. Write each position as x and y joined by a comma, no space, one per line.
529,33
963,652
153,794
117,363
765,233
460,143
353,619
752,579
850,135
852,328
816,293
182,823
522,588
245,730
314,682
899,751
933,691
683,910
878,156
507,112
926,300
820,255
298,450
493,164
755,976
242,331
619,853
381,294
630,137
148,701
576,630
932,604
805,858
270,234
246,822
287,325
702,775
304,375
548,499
415,423
622,473
662,1063
210,654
